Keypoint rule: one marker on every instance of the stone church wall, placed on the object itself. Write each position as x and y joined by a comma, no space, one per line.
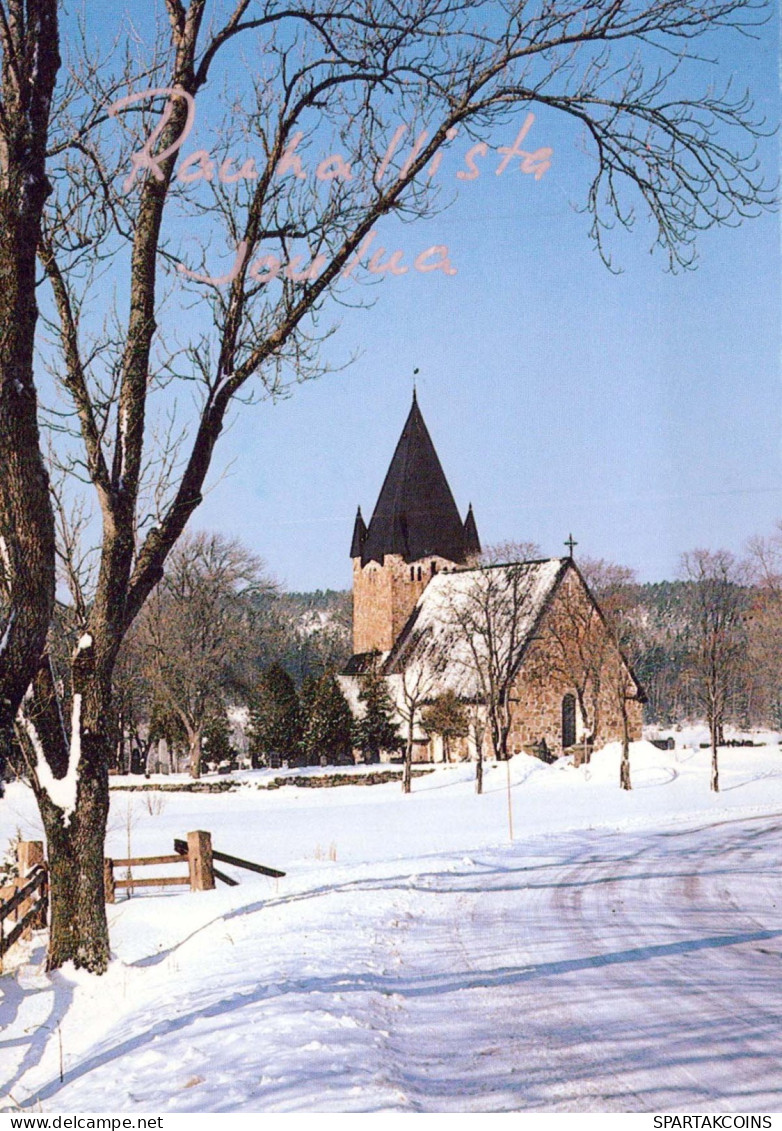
546,677
570,628
385,596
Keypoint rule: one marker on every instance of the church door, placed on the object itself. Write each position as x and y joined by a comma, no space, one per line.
568,721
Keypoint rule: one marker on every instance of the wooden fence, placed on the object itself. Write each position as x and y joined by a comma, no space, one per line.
197,855
24,902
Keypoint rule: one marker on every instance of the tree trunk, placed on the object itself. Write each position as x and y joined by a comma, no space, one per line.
78,930
195,754
624,770
584,713
407,775
499,739
30,62
478,763
715,770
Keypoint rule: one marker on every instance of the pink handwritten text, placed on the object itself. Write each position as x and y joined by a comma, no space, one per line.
200,165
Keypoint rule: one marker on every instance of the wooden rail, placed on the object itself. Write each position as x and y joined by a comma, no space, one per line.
132,861
152,882
29,913
237,861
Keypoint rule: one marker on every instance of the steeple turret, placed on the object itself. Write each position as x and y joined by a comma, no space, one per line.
359,535
471,539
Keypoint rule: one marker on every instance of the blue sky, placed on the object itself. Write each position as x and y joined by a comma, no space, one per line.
640,411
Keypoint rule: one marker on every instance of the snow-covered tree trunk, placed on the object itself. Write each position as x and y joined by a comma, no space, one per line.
78,930
71,784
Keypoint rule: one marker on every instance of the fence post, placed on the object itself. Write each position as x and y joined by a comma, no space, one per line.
108,880
199,861
29,854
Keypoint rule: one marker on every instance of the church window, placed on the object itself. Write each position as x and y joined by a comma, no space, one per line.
419,573
434,568
412,573
568,721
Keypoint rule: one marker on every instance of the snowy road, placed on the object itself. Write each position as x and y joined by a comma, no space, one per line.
588,971
601,979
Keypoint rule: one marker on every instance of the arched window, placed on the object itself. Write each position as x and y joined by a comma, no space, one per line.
419,573
434,568
568,721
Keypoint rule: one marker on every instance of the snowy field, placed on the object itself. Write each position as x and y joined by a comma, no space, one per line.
622,953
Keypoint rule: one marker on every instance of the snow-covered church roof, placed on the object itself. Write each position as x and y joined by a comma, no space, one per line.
444,642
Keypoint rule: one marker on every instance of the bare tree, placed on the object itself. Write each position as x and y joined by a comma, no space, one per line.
614,587
717,607
196,631
331,76
414,688
509,550
765,623
490,610
134,703
29,62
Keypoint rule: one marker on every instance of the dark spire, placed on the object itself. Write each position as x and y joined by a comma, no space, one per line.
359,534
471,540
415,514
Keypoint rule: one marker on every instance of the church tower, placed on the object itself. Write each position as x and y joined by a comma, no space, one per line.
415,532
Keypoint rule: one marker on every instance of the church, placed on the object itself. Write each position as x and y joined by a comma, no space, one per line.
523,646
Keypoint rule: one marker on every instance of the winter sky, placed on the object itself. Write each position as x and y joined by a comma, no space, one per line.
640,411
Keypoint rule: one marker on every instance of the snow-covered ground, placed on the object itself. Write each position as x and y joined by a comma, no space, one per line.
622,953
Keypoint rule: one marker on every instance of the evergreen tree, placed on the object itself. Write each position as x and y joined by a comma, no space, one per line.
447,717
375,731
217,740
328,722
275,720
